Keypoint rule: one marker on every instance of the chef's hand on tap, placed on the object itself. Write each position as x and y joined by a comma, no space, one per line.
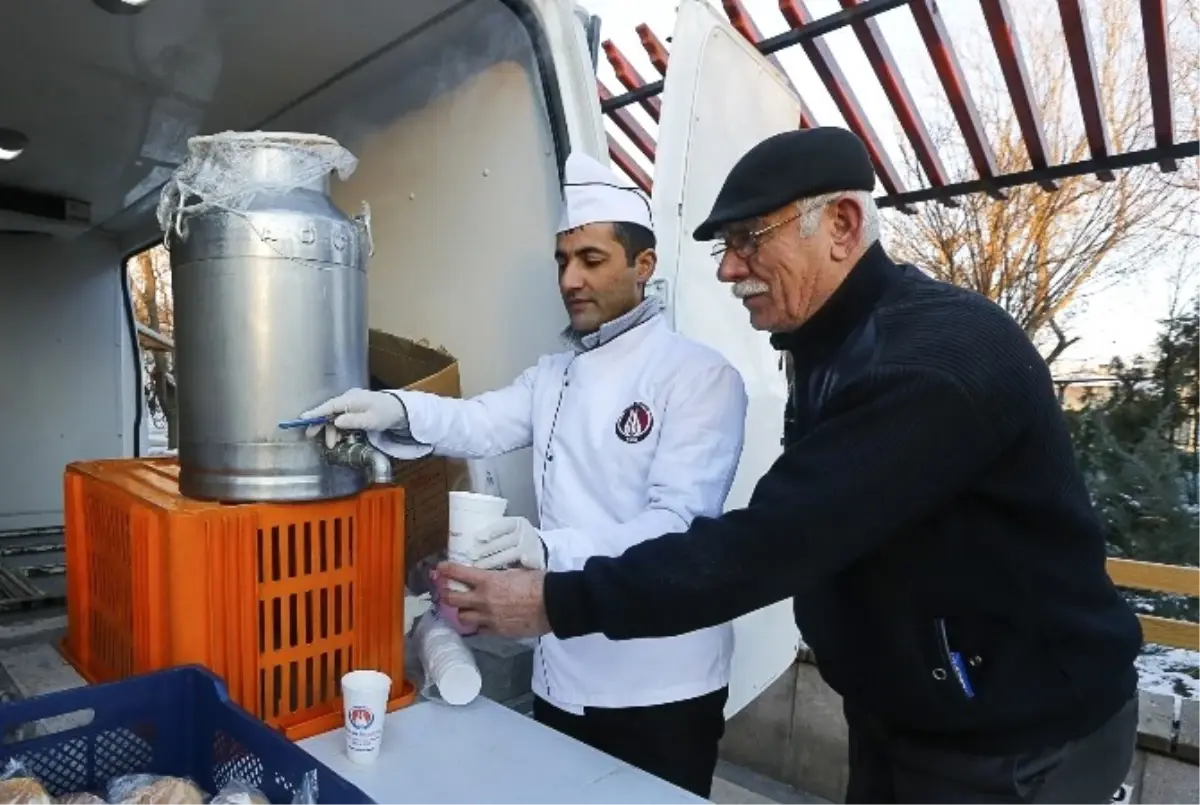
357,409
507,542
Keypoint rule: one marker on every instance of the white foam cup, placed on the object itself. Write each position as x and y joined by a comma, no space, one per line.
469,512
448,663
364,703
458,682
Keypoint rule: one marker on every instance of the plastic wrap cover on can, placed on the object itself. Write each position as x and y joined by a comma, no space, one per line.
270,320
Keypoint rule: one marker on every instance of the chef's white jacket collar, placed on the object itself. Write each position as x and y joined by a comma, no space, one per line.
650,307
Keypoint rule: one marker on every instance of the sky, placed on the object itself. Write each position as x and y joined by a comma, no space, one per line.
1119,319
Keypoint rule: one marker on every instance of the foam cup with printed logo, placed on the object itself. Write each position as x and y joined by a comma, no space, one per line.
469,512
364,701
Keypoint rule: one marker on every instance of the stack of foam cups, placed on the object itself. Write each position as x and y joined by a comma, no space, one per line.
364,701
469,512
447,661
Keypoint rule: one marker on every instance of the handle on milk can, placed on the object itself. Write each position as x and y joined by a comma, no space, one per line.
363,222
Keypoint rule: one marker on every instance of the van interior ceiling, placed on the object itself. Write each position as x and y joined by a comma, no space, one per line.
460,144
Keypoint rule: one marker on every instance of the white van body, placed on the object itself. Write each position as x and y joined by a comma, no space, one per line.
461,114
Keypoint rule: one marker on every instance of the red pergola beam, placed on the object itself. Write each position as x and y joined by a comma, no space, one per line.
626,163
896,89
1083,65
628,75
954,82
740,18
796,14
1016,78
654,48
1158,65
626,123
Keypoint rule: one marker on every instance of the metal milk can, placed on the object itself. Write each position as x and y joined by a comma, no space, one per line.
269,287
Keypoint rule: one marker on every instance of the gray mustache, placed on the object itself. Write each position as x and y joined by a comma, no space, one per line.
749,287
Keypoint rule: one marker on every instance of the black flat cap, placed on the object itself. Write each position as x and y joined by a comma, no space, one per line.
787,167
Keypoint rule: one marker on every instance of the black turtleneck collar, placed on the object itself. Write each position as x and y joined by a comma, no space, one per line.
852,302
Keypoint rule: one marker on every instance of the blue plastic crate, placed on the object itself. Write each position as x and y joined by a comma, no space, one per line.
178,722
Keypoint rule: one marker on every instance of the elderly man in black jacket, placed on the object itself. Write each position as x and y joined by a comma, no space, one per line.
927,515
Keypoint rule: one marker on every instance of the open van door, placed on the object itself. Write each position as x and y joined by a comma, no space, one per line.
721,97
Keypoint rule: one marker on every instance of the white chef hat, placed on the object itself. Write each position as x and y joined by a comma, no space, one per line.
593,193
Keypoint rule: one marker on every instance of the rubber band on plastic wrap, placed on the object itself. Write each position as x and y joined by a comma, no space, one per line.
216,176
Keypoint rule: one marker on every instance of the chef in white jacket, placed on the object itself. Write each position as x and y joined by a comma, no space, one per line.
635,431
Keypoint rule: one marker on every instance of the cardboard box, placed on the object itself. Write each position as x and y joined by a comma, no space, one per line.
398,363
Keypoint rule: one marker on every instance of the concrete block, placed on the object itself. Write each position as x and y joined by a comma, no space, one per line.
1156,721
505,665
758,738
1168,780
521,704
727,793
1187,744
763,789
818,757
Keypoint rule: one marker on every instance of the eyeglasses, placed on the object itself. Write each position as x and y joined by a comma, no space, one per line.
745,245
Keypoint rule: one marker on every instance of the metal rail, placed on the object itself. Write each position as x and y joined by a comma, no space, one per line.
1131,159
820,27
1157,578
860,13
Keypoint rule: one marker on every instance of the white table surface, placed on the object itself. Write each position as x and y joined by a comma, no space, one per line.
486,753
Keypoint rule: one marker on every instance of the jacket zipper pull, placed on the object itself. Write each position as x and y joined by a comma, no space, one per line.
960,673
953,659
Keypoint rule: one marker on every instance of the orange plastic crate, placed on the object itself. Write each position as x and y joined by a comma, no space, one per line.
279,600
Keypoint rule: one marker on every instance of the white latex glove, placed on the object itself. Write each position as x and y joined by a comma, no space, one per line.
506,542
357,409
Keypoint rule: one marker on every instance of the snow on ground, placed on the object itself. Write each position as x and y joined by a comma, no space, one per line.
1169,670
1162,669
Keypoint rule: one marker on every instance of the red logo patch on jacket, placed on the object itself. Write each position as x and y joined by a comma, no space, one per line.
635,423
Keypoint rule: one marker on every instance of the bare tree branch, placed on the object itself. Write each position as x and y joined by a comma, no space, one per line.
1038,252
1062,344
